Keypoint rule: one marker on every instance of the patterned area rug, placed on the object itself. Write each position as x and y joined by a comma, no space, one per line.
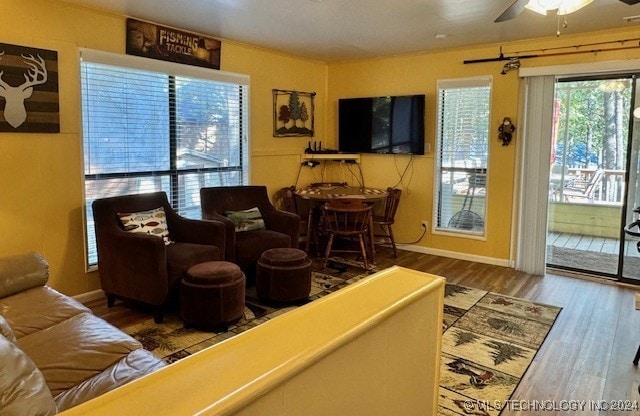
488,343
489,340
170,341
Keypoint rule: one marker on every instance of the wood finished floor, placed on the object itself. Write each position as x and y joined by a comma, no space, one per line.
587,355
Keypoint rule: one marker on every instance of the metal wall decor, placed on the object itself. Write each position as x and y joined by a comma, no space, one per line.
167,44
29,89
293,113
505,131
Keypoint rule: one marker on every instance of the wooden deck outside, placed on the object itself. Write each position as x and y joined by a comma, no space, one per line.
591,243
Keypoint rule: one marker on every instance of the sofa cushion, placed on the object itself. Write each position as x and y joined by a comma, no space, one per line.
76,349
22,272
181,256
5,330
135,365
246,220
23,390
38,308
251,245
153,222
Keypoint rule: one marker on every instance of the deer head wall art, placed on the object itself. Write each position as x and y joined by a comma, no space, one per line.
29,88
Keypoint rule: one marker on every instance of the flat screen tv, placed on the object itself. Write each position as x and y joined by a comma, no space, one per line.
392,125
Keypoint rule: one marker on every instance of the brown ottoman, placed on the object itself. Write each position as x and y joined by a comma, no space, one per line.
212,295
283,275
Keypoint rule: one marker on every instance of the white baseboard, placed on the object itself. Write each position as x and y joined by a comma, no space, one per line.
89,296
456,255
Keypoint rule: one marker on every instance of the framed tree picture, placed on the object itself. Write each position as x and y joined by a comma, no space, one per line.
293,113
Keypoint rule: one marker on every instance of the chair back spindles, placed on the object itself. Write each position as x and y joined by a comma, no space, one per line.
388,217
347,218
288,200
391,204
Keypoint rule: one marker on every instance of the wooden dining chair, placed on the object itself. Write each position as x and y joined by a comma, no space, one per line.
386,220
287,199
286,196
348,219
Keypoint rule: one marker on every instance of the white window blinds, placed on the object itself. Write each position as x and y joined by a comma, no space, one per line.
146,130
462,154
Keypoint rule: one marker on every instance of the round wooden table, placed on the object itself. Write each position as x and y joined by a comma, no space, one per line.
320,194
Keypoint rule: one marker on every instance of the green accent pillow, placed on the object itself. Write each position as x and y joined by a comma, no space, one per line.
153,222
247,220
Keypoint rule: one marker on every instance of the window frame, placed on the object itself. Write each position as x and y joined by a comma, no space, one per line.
459,83
173,173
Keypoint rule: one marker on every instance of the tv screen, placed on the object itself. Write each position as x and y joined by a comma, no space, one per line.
393,125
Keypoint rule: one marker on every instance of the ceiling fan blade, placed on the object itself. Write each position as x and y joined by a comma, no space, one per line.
514,10
630,2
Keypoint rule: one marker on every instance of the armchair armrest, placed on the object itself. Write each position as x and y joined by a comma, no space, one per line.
283,222
229,234
199,232
21,272
129,262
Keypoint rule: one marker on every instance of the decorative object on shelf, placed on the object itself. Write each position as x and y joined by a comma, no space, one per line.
167,44
29,86
293,113
317,149
506,130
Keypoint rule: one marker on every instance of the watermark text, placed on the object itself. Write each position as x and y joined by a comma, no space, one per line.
553,405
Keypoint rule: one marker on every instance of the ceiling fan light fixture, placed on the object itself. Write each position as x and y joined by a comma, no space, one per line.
562,6
542,6
535,8
570,6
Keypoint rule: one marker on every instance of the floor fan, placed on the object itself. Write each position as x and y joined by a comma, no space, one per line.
466,219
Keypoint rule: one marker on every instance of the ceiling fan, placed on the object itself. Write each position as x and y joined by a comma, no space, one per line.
542,6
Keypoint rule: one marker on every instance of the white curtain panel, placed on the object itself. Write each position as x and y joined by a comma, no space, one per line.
534,177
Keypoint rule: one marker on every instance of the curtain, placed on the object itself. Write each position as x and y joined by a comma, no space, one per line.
535,158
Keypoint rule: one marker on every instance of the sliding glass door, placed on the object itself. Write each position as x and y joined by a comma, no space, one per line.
590,158
630,240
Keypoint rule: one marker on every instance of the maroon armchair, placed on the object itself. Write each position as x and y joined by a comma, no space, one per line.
244,248
141,267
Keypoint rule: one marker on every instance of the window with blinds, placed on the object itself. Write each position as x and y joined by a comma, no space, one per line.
462,154
147,131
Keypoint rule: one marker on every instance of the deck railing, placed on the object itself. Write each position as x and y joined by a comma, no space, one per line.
609,188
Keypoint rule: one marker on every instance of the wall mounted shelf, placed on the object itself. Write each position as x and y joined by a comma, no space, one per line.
333,157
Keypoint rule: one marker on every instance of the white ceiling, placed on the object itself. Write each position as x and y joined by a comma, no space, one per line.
334,30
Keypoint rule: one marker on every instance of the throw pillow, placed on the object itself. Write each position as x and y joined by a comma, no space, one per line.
247,220
153,222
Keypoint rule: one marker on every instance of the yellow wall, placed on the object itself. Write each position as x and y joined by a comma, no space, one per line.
418,74
41,174
41,185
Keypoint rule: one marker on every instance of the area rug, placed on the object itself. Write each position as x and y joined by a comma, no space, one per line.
170,341
489,340
488,343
